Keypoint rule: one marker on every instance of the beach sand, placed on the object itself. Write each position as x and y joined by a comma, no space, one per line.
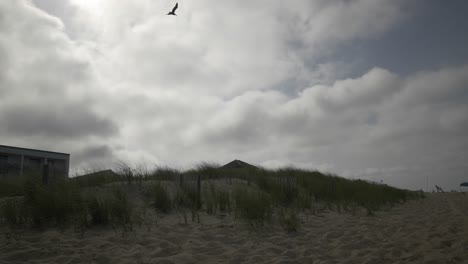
431,230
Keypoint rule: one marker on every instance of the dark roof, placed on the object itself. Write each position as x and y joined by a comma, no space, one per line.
100,173
46,151
237,164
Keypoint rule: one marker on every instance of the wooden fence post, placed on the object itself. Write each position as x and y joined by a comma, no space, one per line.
198,191
181,180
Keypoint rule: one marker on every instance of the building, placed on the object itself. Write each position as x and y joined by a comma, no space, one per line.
16,161
237,164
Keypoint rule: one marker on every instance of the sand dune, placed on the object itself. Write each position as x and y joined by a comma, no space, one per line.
432,230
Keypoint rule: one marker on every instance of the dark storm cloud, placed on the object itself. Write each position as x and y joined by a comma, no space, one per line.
67,122
92,155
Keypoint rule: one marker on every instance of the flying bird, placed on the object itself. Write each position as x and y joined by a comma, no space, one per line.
173,10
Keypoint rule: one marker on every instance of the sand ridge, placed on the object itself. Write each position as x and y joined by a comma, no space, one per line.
431,230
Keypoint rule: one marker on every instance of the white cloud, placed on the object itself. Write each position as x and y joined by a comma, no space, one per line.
241,46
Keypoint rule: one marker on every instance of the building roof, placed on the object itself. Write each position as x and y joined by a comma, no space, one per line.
28,149
237,164
100,173
9,150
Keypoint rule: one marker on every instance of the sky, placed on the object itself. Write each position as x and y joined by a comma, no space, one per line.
368,89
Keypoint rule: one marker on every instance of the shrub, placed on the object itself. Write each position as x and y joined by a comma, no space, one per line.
187,198
8,188
126,172
217,199
99,210
54,203
121,210
288,219
210,199
283,190
164,173
13,211
252,206
208,170
161,198
98,178
191,196
223,201
303,200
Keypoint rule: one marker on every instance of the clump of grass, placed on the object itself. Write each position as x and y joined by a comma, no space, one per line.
282,190
10,188
216,199
182,202
80,216
54,205
99,209
141,173
109,208
126,172
264,181
96,178
50,204
121,210
190,186
253,206
208,170
303,200
160,197
289,219
191,196
14,213
164,174
223,201
61,203
210,199
230,175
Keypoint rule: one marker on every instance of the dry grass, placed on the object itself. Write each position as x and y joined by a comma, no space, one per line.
256,196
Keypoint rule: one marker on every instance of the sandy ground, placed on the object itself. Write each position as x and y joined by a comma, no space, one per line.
433,230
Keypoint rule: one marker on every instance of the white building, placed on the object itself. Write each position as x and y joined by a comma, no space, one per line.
16,161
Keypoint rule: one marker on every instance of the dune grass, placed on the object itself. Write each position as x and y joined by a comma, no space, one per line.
64,203
254,207
255,196
160,198
288,219
96,179
10,188
98,209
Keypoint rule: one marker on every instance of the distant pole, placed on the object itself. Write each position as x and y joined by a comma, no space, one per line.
198,191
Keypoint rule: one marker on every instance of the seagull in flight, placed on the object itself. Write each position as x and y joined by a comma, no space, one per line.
173,10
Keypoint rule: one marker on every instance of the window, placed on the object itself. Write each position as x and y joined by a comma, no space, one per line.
3,164
34,163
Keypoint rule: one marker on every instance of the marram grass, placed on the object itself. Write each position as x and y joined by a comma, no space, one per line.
255,196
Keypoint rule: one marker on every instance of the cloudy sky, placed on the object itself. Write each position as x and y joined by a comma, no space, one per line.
371,89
